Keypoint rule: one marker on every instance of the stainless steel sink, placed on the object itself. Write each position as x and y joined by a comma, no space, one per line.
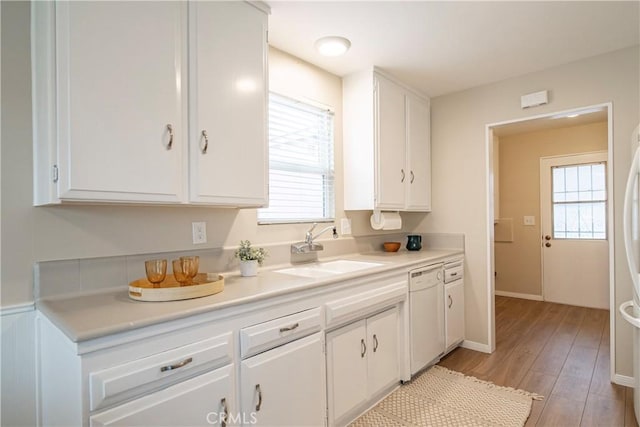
329,268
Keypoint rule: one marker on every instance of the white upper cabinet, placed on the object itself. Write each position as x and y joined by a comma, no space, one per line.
105,94
112,83
227,96
418,197
391,137
387,148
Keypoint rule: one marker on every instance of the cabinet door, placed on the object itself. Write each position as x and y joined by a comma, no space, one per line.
383,367
346,370
419,154
203,400
227,58
454,309
118,67
390,145
285,386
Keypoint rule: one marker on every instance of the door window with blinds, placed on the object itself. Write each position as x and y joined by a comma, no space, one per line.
301,171
580,201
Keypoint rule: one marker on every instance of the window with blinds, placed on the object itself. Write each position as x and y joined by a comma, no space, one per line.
301,171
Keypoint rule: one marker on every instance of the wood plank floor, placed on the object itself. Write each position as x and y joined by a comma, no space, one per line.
558,351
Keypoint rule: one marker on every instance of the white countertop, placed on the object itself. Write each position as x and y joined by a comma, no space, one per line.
87,316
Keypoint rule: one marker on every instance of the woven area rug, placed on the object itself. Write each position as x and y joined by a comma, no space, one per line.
441,397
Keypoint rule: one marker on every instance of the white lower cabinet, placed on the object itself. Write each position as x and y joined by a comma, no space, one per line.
285,386
207,399
454,313
362,364
268,367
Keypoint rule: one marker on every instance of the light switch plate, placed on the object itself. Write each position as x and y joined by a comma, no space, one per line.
529,220
345,226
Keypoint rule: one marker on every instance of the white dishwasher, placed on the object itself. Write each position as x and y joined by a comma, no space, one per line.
426,293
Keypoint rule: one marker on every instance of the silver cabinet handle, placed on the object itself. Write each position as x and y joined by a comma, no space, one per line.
375,343
289,328
176,365
438,276
402,172
225,413
170,130
412,177
363,348
450,301
454,274
206,141
259,390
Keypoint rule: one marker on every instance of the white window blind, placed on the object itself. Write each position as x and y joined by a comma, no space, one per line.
301,171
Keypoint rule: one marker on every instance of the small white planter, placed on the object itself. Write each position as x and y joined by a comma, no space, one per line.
248,268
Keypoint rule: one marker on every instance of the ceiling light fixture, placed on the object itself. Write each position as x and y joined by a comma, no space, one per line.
332,46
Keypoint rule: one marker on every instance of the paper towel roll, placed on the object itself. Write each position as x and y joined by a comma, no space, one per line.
386,221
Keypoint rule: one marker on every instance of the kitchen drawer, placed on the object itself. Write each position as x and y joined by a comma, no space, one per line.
264,336
359,305
137,377
453,273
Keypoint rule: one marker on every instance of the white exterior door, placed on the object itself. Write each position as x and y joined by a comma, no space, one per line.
573,202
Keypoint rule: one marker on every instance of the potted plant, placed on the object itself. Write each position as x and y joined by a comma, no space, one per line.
249,258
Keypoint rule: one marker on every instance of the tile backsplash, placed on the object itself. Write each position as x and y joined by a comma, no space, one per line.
66,277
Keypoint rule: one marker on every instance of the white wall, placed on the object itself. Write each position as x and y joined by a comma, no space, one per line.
460,173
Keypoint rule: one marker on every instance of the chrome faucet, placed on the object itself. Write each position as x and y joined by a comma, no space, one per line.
309,245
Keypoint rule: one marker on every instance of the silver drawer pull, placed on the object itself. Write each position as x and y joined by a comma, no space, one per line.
176,365
454,274
225,412
450,301
170,130
375,343
363,348
206,141
289,328
259,390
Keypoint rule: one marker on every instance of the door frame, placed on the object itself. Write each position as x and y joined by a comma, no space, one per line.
489,169
578,155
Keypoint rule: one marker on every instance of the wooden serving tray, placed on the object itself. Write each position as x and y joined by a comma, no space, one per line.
170,290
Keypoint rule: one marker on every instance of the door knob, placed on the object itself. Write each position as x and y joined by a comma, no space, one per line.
547,237
548,244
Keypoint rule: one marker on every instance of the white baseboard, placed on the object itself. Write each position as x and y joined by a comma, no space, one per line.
476,346
519,295
624,380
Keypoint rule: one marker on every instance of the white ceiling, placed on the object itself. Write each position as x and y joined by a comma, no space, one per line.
441,47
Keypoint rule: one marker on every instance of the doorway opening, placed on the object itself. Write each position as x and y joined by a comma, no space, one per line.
514,149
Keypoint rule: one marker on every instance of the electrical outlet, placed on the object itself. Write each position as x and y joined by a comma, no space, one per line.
345,226
199,230
529,220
